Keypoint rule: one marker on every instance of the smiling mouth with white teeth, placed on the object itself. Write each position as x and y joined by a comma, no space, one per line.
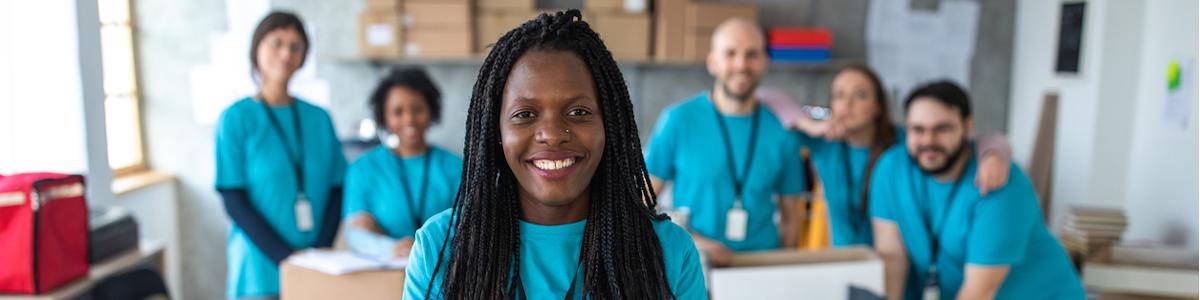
551,165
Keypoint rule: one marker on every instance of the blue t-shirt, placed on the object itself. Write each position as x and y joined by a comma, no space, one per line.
373,186
688,149
1004,228
549,259
251,155
848,222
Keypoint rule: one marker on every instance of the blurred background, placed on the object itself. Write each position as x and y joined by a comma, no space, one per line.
1097,97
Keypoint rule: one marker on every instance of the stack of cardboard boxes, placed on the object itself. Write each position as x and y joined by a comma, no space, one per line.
623,25
379,29
416,28
683,29
494,18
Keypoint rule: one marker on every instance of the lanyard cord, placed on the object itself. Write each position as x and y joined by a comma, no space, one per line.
415,212
296,160
935,236
738,181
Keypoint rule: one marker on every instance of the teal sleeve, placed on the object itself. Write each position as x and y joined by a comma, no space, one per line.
689,284
660,156
418,277
356,193
338,170
883,193
791,182
1003,224
369,243
231,159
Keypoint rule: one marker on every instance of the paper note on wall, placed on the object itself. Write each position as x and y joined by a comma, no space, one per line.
380,34
1181,87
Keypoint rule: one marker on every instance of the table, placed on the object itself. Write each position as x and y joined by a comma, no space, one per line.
149,251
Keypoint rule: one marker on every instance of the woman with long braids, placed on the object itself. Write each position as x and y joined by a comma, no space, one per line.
554,201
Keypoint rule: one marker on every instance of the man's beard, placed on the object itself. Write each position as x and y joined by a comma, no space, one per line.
742,97
945,167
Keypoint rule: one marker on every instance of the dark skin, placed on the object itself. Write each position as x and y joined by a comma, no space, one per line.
550,115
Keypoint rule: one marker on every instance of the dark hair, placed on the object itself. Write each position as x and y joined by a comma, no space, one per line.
945,92
411,78
620,257
885,132
276,20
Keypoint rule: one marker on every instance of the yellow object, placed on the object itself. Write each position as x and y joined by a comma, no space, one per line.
815,235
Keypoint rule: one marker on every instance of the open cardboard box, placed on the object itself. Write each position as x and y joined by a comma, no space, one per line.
300,283
791,274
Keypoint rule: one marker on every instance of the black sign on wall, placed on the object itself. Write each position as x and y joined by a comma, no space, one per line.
1070,37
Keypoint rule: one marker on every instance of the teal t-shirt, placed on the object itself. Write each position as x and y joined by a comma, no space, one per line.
1004,228
848,222
373,185
549,257
251,155
688,149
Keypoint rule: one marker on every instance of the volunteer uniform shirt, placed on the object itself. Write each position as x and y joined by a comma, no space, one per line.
373,185
549,260
688,149
252,156
849,223
1004,228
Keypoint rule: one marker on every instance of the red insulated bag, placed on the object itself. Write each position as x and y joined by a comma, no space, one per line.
43,232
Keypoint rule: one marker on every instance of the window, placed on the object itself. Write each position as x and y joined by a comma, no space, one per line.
122,115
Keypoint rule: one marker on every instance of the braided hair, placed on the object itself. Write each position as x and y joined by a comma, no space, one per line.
621,257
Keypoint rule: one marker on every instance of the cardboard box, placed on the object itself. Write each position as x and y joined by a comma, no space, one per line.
299,283
610,6
669,30
627,36
380,35
783,274
506,4
439,42
696,45
385,6
704,16
437,14
491,24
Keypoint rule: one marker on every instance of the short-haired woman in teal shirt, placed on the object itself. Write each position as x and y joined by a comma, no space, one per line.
394,188
279,166
555,200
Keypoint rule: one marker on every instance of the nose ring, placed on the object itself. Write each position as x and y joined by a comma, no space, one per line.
567,131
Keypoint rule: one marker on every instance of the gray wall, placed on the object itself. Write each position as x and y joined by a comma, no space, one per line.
172,37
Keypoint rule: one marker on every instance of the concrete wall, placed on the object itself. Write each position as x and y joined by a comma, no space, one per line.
173,36
1113,148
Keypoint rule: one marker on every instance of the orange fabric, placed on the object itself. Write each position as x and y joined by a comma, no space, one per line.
816,234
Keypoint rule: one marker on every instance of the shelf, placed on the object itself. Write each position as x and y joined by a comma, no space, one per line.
831,66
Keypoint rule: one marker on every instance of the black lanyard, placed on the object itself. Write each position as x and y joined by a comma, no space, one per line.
415,212
738,181
935,236
297,160
855,223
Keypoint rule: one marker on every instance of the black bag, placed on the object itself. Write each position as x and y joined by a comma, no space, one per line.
113,232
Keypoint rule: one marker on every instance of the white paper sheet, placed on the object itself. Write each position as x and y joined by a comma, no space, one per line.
342,262
911,47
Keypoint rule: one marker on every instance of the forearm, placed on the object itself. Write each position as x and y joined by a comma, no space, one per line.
260,232
895,270
366,242
994,144
331,219
790,212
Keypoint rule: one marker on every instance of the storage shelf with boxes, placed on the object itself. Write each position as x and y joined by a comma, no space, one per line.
391,29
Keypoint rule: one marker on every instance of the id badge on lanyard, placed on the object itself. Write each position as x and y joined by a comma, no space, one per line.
735,222
304,214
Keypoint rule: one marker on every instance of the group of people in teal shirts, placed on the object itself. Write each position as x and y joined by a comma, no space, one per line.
555,197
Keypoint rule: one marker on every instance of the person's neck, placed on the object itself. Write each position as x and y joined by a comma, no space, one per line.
413,149
862,137
728,105
275,93
957,170
537,213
